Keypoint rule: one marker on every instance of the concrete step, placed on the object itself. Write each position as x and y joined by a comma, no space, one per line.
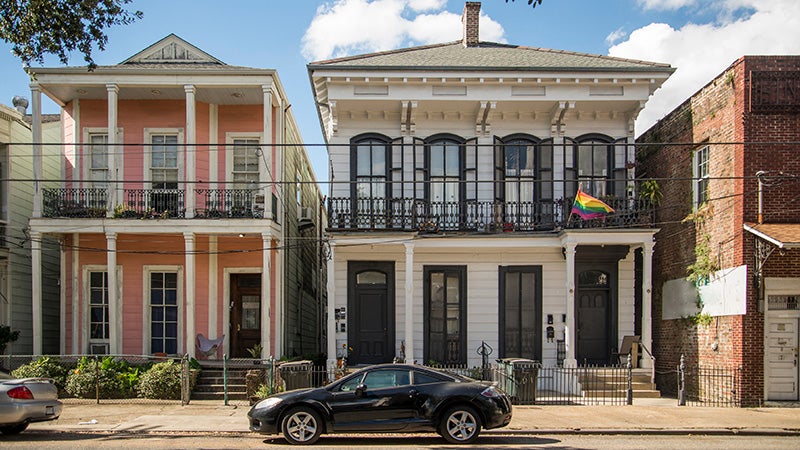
219,388
218,396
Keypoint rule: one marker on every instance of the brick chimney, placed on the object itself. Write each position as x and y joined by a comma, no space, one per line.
470,18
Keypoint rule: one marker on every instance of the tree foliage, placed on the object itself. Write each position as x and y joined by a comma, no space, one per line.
38,27
531,2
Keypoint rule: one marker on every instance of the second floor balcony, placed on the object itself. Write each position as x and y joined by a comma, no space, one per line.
154,203
419,215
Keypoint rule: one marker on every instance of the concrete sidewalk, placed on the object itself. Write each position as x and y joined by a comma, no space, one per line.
647,416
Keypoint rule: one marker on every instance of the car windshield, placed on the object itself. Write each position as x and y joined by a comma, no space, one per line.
5,376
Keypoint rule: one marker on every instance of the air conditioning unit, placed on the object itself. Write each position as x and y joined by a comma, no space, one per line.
98,348
306,214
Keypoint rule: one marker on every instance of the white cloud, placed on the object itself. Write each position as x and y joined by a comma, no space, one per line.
347,27
700,52
665,4
427,5
615,36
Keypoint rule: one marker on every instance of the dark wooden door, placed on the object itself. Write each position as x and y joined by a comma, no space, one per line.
372,325
592,314
371,313
245,306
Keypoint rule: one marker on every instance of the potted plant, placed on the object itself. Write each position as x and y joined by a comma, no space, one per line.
255,351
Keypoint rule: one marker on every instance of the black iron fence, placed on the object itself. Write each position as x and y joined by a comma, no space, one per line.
718,386
151,379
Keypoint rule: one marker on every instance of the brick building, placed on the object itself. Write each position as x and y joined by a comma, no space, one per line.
727,162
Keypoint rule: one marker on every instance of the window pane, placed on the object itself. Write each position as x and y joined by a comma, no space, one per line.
452,160
378,160
421,378
371,277
437,160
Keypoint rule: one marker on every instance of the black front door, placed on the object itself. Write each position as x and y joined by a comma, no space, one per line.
592,316
371,311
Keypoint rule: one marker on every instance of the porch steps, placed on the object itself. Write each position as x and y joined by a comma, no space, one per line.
600,382
211,384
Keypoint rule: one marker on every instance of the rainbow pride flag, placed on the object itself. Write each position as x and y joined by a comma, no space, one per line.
589,207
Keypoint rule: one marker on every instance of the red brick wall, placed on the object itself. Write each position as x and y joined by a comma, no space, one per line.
741,143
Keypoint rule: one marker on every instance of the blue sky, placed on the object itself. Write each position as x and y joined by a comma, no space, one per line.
698,37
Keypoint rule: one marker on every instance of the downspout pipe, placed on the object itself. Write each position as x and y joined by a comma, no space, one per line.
759,175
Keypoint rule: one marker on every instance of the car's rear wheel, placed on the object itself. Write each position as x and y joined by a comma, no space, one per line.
16,428
302,426
460,425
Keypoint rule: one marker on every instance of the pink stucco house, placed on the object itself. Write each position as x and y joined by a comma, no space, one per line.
185,199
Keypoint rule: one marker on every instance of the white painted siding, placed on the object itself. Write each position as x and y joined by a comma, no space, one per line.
482,290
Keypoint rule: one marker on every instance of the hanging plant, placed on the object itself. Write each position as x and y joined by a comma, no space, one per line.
650,191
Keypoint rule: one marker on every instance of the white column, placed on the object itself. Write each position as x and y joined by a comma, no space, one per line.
571,326
114,308
213,149
36,131
278,287
36,292
647,301
191,277
213,296
266,294
331,328
267,175
409,288
62,295
76,286
113,150
191,152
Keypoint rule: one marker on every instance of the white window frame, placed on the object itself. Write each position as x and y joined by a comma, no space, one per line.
698,177
229,142
146,313
86,270
86,154
148,155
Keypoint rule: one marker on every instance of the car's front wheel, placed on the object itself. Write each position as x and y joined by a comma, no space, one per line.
16,428
302,426
460,425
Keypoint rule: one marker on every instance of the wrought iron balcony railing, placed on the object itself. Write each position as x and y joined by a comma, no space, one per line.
154,203
74,202
406,214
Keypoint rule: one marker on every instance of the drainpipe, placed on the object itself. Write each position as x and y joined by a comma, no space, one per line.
759,176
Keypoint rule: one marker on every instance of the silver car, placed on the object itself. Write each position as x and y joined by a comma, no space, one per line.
26,400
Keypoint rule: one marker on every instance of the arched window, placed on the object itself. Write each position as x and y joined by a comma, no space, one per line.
370,167
593,279
525,165
591,162
444,156
371,277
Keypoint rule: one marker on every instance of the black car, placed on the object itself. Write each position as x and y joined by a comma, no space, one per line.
385,398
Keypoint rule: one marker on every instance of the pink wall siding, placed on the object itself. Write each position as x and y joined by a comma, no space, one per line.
162,249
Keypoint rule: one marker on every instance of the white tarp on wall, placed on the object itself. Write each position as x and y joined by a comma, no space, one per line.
724,295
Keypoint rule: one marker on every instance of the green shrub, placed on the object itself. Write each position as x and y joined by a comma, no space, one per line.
45,367
116,378
162,381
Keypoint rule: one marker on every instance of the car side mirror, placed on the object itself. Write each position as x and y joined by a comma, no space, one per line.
360,389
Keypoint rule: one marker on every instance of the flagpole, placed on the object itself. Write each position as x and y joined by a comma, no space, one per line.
573,203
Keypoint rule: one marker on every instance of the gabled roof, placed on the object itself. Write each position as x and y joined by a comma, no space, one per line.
172,50
488,56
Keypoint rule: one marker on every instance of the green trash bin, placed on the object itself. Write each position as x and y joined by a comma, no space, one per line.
518,378
296,374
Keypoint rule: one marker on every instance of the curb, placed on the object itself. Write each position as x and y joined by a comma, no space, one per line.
654,431
495,432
